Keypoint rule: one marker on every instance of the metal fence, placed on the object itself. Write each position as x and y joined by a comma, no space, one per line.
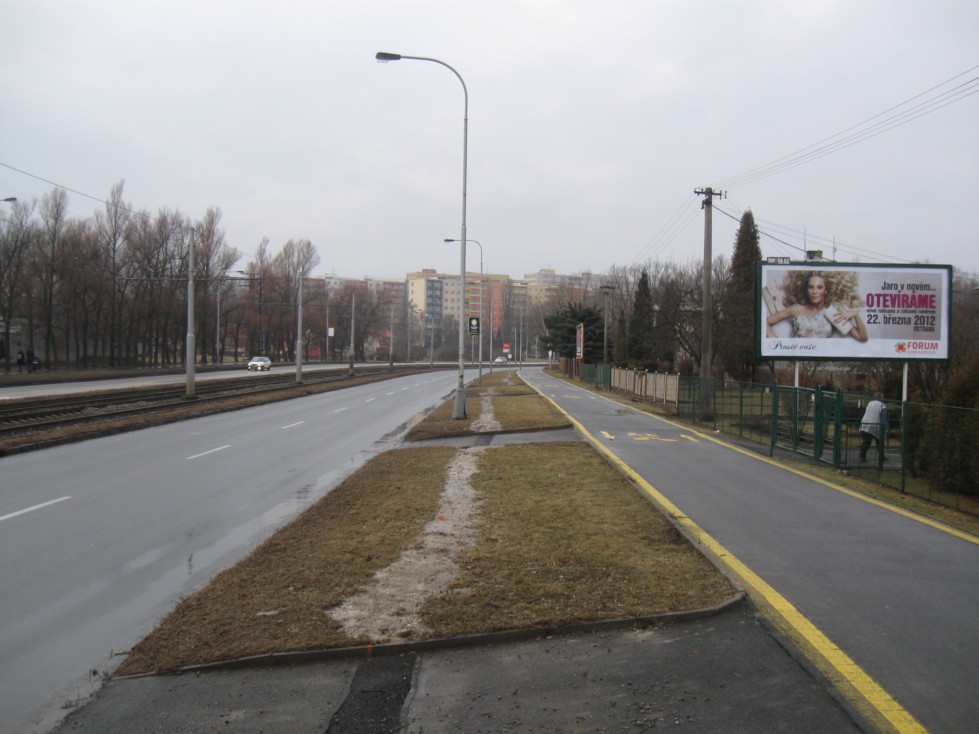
930,451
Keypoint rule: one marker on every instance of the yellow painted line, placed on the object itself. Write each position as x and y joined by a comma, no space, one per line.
868,696
910,514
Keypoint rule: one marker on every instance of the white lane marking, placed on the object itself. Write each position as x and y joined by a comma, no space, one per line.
35,507
212,451
370,400
389,393
293,425
339,410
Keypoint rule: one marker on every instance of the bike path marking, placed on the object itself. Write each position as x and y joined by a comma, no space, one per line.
866,694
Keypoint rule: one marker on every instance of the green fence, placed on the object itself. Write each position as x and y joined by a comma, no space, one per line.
930,451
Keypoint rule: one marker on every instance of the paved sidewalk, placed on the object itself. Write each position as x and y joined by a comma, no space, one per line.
722,673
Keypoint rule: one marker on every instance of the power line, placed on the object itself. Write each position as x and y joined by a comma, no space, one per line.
672,229
864,130
133,212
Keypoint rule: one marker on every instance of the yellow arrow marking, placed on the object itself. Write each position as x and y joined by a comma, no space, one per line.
608,435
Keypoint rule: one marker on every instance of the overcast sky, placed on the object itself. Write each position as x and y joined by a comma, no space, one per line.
590,125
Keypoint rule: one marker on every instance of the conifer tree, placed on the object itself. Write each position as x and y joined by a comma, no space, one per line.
641,346
736,345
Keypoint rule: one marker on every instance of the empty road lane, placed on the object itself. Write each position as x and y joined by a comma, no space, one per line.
98,539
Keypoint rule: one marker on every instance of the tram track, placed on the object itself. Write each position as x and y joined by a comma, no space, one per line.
36,422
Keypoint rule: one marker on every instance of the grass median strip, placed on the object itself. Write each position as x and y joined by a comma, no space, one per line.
516,406
558,537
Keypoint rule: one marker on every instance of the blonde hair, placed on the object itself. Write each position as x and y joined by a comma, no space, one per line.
841,286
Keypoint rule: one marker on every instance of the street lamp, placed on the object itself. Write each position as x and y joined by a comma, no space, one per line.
299,329
191,354
448,239
459,409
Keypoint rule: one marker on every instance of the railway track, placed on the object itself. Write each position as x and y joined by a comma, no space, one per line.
30,416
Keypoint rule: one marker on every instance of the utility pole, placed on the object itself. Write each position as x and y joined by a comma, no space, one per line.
605,288
706,341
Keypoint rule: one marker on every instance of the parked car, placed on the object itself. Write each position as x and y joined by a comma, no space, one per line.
260,364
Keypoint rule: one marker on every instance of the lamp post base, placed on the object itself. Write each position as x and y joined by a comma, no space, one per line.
459,409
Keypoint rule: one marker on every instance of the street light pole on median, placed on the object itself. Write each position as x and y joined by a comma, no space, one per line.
459,408
447,239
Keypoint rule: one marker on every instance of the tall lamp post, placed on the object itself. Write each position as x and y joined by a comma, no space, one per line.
191,354
448,239
299,329
459,408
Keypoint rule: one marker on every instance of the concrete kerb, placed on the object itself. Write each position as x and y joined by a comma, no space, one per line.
479,434
443,643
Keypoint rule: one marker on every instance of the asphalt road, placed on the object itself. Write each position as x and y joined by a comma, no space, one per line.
50,389
98,539
882,601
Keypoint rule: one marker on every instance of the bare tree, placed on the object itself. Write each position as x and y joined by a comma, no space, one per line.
111,226
16,237
47,265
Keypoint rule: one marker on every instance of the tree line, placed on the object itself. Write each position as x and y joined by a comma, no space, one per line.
111,290
650,318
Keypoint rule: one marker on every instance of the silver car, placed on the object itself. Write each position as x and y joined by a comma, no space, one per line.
260,364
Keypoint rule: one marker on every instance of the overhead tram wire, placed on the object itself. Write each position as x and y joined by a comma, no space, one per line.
133,212
863,130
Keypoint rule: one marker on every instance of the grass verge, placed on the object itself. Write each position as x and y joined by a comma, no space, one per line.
516,405
275,599
561,538
565,538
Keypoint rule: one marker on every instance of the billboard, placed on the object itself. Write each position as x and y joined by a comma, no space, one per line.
817,310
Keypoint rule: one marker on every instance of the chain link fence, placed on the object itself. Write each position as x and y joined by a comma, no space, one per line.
929,451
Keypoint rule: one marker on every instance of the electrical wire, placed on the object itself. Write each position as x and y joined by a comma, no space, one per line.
681,218
863,130
133,212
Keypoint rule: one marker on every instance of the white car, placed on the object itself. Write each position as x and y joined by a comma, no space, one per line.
500,360
260,364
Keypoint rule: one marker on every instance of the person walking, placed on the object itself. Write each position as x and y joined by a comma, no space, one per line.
873,427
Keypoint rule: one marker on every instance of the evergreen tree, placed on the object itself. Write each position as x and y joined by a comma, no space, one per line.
736,340
641,323
562,331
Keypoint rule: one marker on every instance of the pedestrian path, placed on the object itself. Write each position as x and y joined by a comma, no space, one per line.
879,599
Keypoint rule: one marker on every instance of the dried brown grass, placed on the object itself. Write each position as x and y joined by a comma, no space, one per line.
276,599
516,405
562,538
565,539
